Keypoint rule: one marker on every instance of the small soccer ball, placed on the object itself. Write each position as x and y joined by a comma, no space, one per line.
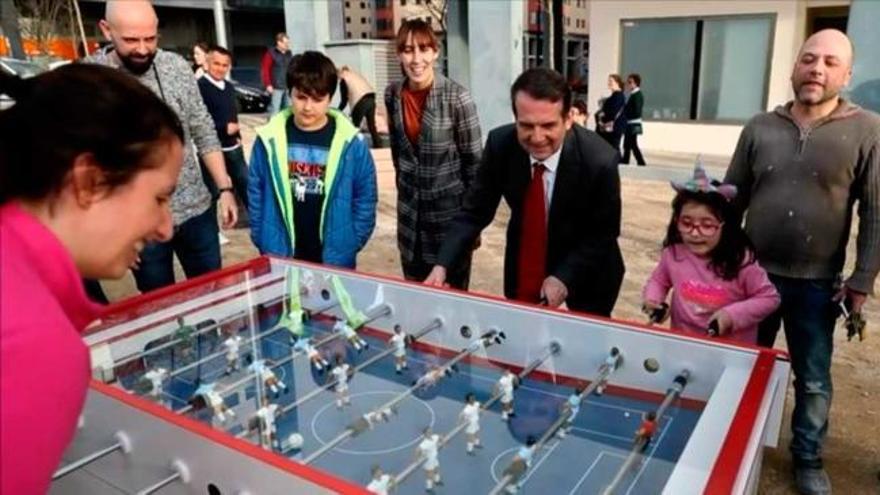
626,414
295,440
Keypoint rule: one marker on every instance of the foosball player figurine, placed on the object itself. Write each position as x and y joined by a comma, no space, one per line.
432,377
505,386
184,334
611,363
350,335
571,407
268,377
381,482
428,448
156,376
268,431
470,415
399,341
646,430
233,347
215,401
340,373
521,463
304,345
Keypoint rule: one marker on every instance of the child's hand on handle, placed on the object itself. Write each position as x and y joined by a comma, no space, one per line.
720,324
657,312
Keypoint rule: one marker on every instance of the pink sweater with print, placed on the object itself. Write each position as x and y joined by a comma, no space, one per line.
44,362
697,293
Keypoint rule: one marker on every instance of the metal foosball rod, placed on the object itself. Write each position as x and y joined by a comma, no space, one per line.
181,473
604,373
123,444
196,333
435,324
553,349
636,452
374,314
486,340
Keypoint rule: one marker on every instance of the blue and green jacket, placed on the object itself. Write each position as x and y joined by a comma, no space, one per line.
348,214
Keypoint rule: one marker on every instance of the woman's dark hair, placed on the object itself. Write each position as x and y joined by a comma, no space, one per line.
312,73
542,84
734,249
72,110
617,79
422,35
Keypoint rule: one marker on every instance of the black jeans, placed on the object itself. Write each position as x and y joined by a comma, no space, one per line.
631,143
366,107
196,245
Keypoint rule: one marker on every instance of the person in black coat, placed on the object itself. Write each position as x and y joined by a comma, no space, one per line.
611,122
583,266
632,114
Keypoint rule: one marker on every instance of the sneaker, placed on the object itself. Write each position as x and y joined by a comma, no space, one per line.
812,481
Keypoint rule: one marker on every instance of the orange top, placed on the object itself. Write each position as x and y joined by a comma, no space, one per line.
413,108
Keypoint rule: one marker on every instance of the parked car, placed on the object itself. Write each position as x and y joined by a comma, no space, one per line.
15,67
250,94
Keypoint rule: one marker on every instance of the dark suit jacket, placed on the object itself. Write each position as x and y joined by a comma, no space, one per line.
584,219
634,105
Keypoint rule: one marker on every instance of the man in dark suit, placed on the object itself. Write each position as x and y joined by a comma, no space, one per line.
562,186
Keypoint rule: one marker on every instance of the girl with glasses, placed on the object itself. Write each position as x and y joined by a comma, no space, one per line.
709,265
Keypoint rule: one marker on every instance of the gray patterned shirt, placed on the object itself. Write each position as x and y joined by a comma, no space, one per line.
172,80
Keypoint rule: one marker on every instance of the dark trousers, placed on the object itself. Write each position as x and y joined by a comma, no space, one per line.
366,107
237,170
197,248
417,270
631,143
809,315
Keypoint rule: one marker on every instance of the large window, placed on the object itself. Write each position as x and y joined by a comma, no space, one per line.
708,69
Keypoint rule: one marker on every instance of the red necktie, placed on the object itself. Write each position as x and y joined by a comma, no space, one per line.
533,240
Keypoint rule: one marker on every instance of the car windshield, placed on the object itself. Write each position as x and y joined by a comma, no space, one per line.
21,68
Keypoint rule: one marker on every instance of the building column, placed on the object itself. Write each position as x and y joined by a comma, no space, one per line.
307,23
220,23
864,88
457,42
495,37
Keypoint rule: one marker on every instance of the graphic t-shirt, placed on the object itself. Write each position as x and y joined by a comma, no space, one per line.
307,153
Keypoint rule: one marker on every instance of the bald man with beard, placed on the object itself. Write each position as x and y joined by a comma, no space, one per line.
800,170
132,28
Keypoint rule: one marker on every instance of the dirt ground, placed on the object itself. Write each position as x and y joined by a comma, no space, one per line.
853,447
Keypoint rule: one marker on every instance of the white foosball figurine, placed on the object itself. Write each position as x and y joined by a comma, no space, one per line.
340,373
374,417
381,483
428,448
350,335
233,346
304,345
398,340
572,407
268,377
610,364
505,386
156,376
432,377
470,415
268,432
215,401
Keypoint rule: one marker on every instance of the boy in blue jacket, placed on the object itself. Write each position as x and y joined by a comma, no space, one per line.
312,182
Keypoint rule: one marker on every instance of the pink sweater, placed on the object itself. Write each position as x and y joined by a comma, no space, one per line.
44,363
697,293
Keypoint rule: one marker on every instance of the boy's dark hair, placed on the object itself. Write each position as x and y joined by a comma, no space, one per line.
636,78
734,249
542,84
312,73
77,109
220,50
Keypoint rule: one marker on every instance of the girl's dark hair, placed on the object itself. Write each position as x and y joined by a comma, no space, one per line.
313,73
72,110
734,249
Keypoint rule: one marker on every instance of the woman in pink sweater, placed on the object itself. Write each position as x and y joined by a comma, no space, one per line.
708,263
89,159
